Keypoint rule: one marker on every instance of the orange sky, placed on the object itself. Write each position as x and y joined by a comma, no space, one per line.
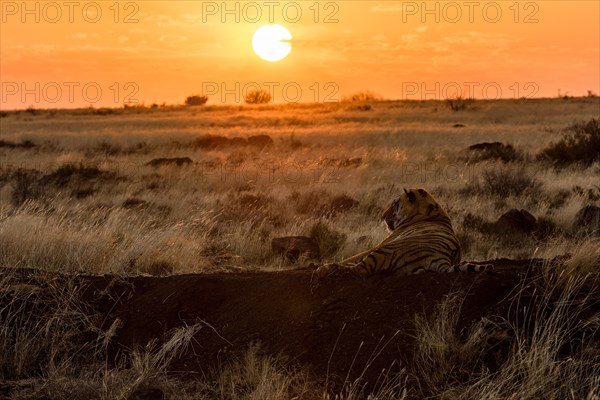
65,54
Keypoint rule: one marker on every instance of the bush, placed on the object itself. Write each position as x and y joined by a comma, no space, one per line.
458,103
25,144
580,146
25,186
329,241
311,202
196,100
258,96
362,96
508,181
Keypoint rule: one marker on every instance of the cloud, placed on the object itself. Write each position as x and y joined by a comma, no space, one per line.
387,8
173,39
182,20
479,38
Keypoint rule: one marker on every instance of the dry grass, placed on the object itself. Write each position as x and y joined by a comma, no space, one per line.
85,196
258,377
52,348
442,359
78,192
544,362
581,263
541,359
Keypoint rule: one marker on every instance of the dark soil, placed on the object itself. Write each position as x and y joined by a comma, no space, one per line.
333,328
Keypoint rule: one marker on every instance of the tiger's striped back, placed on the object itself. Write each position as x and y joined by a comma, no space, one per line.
422,239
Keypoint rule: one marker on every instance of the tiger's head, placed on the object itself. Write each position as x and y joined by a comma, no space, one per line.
413,205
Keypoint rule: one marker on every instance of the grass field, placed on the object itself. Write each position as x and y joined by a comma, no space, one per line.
82,197
171,190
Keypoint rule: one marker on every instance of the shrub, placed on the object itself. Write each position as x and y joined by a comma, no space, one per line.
312,202
79,172
196,100
25,144
362,96
258,96
474,222
210,141
25,186
581,144
329,240
458,103
509,181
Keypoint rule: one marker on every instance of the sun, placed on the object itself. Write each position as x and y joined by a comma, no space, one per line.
272,42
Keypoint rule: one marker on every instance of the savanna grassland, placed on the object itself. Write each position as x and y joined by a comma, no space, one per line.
79,193
140,192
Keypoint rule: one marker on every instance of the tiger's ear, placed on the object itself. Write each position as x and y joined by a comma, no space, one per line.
411,196
422,192
405,191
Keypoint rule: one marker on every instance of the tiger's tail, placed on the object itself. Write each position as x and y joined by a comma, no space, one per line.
472,267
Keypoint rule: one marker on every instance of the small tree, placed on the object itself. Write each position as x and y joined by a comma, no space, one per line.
458,103
258,96
366,95
197,100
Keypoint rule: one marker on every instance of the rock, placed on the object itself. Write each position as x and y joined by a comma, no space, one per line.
587,219
489,146
260,141
494,151
177,161
294,246
460,126
514,221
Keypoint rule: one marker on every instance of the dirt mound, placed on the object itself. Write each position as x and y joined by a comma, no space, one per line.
334,328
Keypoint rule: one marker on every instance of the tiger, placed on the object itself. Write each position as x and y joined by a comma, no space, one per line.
421,240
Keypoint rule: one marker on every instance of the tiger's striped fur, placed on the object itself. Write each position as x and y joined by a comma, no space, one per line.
422,239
